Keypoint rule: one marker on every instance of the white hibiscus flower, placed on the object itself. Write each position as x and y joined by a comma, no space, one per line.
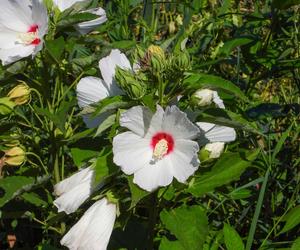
93,230
73,191
205,97
214,137
23,25
158,146
84,27
92,89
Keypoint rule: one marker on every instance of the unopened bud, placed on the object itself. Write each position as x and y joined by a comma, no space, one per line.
130,83
215,149
20,94
203,97
172,27
182,61
154,50
6,106
154,57
15,156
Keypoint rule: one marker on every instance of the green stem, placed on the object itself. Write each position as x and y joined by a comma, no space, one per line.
40,160
152,221
56,169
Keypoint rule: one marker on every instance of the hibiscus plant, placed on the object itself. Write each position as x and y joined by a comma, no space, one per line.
131,124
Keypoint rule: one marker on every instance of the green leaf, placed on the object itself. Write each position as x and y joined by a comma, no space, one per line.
11,185
125,44
76,18
232,239
292,219
108,122
56,48
296,244
81,155
284,4
232,44
188,224
165,244
228,168
34,199
200,80
102,166
136,193
109,104
228,118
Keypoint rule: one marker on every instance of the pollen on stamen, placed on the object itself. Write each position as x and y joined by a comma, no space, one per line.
162,144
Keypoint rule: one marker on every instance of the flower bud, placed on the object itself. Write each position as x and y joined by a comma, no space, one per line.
215,149
182,61
154,50
15,156
154,57
203,97
128,81
20,94
172,27
6,106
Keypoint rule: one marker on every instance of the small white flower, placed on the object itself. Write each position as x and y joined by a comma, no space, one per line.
158,146
23,25
93,230
215,149
73,191
92,89
84,27
214,137
206,97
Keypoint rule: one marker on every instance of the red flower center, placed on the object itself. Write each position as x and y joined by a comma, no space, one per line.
162,144
32,31
33,28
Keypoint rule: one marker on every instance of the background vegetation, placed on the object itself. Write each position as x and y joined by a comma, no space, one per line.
247,199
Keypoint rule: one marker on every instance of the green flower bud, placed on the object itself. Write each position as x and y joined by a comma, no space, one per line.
129,82
20,94
6,106
181,61
154,57
14,156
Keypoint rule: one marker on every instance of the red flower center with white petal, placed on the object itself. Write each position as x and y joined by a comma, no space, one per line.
31,36
162,144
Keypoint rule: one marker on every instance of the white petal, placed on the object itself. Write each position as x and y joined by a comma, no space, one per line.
65,4
40,17
86,27
16,15
14,54
217,133
93,230
177,123
108,66
86,174
131,152
217,100
137,119
184,159
156,122
90,90
70,201
154,175
8,37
